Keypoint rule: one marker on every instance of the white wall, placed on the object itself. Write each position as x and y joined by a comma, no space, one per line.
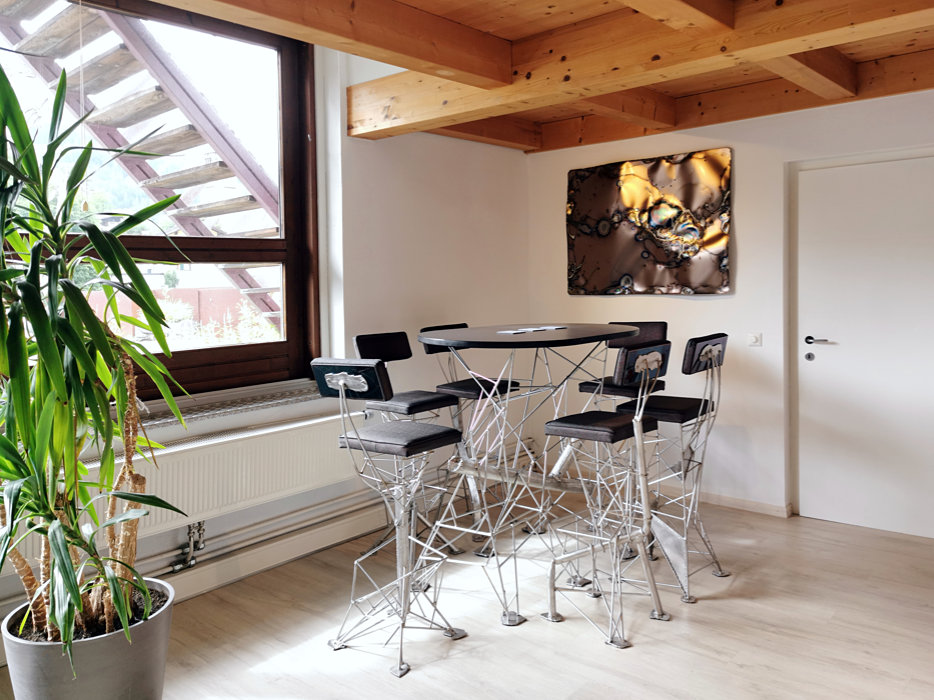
749,458
437,229
432,231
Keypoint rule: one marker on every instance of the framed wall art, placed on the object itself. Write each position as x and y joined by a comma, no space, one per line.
653,226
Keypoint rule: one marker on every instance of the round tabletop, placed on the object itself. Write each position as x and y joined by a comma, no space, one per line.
527,335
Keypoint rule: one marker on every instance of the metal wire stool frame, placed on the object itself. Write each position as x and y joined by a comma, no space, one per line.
618,518
676,485
410,600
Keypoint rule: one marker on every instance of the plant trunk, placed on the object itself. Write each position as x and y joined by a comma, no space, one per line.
123,548
130,429
102,608
76,566
96,610
28,579
109,611
111,531
126,551
37,603
45,571
87,610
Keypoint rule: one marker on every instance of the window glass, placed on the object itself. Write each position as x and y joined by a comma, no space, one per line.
205,305
203,113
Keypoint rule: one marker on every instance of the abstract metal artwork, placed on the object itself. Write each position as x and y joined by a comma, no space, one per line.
653,226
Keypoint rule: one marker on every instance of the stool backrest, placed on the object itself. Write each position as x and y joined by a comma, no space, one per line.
360,379
432,349
704,353
648,330
633,362
387,347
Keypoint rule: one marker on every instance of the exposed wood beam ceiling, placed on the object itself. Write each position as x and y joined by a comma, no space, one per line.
384,30
825,72
687,14
540,74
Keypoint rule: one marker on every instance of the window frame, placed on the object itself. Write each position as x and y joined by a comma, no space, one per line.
227,367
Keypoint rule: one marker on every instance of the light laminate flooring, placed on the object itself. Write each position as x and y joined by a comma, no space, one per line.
813,610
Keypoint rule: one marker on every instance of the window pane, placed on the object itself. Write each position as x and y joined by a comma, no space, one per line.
208,104
209,305
207,113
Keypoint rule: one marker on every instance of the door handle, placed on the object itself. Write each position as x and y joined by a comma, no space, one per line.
811,340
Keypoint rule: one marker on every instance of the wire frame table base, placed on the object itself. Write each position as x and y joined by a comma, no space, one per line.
504,501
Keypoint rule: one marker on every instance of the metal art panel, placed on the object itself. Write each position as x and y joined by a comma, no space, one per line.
654,226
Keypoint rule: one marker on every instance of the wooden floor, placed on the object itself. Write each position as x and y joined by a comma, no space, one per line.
813,610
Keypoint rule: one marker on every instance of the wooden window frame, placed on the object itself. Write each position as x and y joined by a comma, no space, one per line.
227,367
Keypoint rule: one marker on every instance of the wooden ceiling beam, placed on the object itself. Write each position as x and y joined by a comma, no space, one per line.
825,72
882,78
511,132
592,128
889,76
687,14
382,30
621,51
639,106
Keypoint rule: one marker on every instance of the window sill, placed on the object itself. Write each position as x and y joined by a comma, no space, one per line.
235,409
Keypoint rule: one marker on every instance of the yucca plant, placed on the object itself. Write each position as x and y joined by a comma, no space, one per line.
68,385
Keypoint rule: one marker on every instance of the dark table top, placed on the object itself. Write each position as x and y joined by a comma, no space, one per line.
546,335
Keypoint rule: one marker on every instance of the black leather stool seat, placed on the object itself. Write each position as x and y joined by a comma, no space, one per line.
402,438
608,388
411,402
670,409
470,388
599,426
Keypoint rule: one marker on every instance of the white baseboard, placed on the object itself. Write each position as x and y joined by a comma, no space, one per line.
211,574
743,504
208,575
716,499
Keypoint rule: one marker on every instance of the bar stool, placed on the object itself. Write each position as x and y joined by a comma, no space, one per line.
393,458
614,482
416,404
676,509
613,386
472,388
390,347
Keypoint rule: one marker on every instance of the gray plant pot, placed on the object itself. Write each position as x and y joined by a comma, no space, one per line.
107,667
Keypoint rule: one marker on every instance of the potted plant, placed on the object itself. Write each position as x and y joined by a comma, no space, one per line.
67,382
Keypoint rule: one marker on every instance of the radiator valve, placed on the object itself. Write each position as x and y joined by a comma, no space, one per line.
195,544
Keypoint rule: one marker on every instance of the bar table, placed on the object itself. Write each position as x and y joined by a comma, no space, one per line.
503,479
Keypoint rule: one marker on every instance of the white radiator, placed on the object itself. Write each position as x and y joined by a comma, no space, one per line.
229,471
222,473
225,472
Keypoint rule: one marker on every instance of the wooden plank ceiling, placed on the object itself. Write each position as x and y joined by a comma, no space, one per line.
546,74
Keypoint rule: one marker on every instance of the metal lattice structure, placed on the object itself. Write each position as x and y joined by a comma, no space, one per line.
592,549
390,458
676,483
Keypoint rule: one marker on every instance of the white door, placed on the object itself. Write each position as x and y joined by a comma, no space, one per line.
866,399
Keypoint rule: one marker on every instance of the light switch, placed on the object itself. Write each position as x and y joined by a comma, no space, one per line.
754,340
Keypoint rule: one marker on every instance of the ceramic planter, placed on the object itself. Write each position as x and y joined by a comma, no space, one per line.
107,667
